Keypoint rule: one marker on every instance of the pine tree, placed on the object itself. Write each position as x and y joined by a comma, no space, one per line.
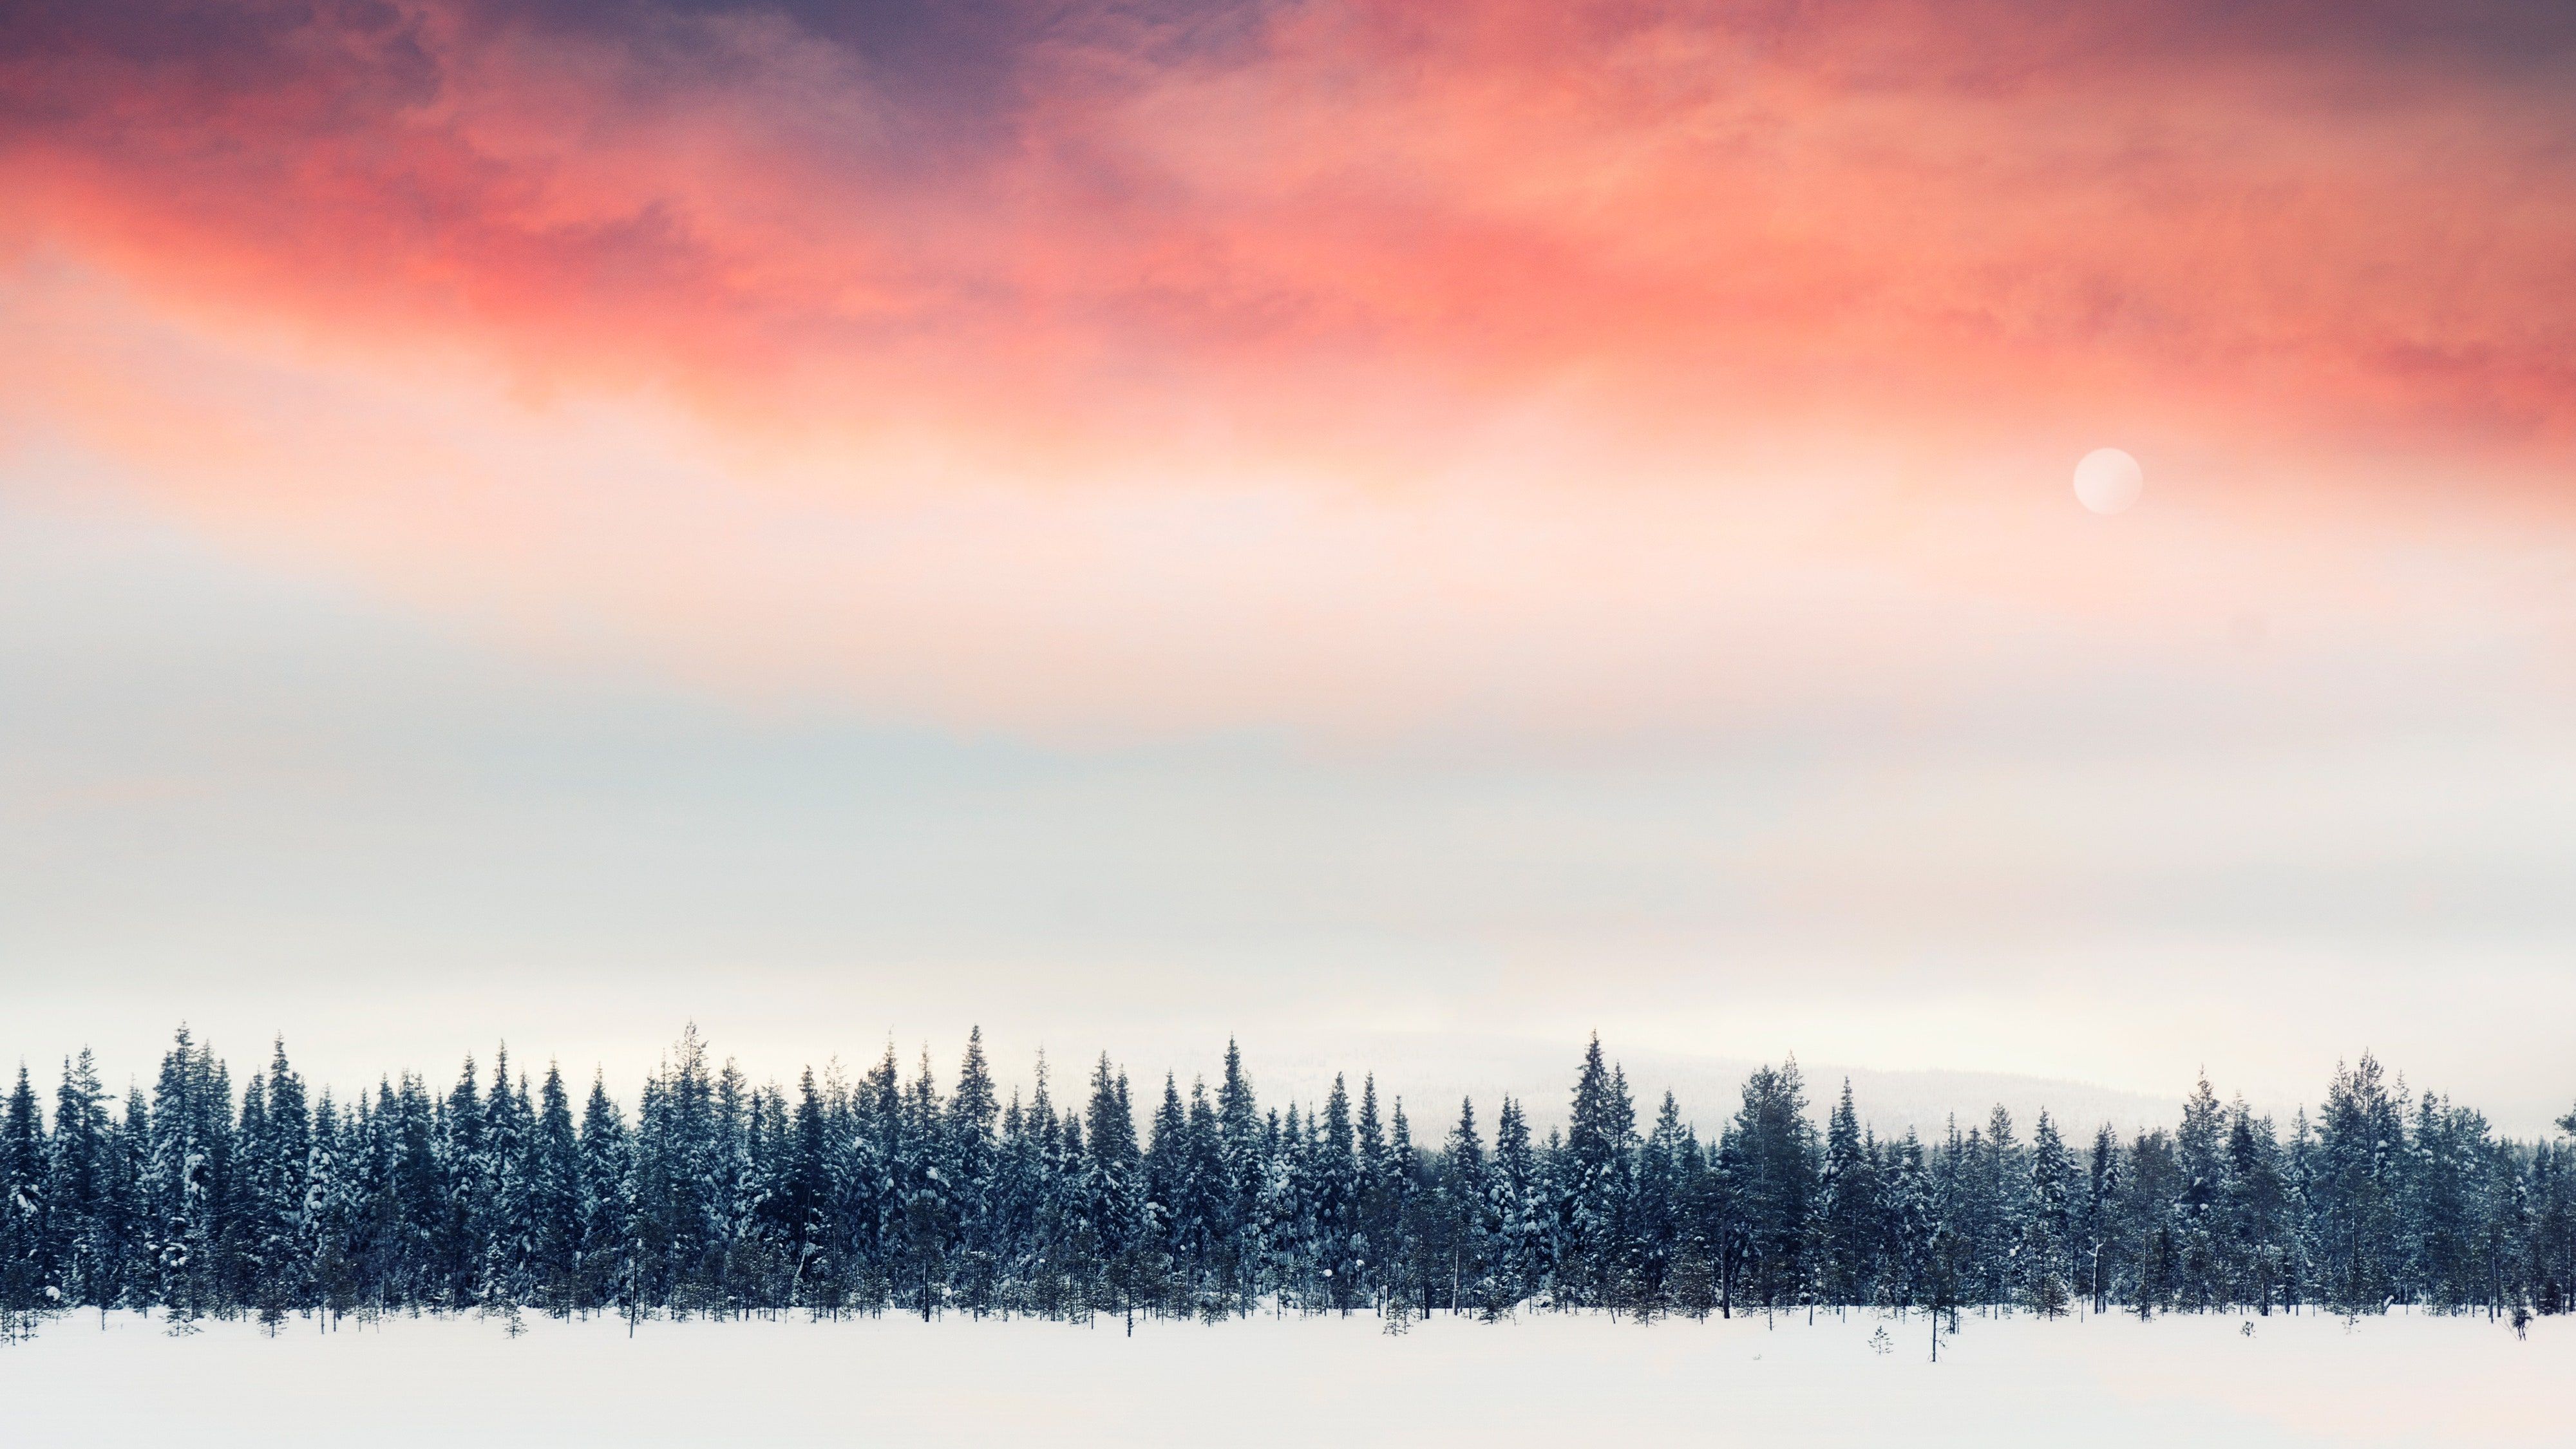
926,1214
2361,1140
1244,1170
2553,1228
1462,1240
1517,1215
23,1269
2200,1156
2149,1224
1955,1222
1690,1283
509,1227
1656,1214
1909,1223
81,1267
2298,1231
1334,1200
1850,1207
2447,1177
972,1154
607,1266
1778,1171
554,1200
810,1202
732,1259
463,1189
333,1201
1372,1203
1050,1211
1410,1276
412,1213
764,1254
2096,1228
1283,1212
124,1248
1114,1205
1208,1227
2255,1211
1994,1177
189,1179
1167,1169
2043,1265
278,1148
1597,1174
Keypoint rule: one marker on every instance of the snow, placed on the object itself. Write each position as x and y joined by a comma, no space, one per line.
1554,1380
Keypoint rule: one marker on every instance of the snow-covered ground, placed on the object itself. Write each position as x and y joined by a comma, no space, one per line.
1548,1380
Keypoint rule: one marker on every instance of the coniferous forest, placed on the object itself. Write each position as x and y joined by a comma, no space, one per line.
888,1194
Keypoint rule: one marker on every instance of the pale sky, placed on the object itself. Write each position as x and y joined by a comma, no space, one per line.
1133,525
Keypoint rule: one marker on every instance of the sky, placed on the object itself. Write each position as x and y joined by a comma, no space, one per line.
1403,534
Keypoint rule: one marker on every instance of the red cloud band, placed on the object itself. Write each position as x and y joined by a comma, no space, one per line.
1371,217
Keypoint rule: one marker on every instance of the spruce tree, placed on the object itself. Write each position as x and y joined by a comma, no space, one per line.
333,1199
457,1236
1114,1204
277,1148
2001,1195
509,1227
1375,1204
925,1215
1406,1280
2097,1232
76,1186
810,1201
2254,1212
1207,1227
1777,1171
1655,1217
1909,1221
2151,1227
415,1208
1849,1208
1596,1173
1167,1168
607,1270
554,1187
23,1269
2200,1157
124,1246
1462,1239
1283,1213
189,1180
1244,1170
1518,1217
2043,1262
2361,1141
971,1157
1334,1199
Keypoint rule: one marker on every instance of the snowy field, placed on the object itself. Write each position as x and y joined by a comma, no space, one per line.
1547,1380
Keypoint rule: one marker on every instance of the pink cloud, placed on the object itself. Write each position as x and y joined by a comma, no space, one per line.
1707,356
1702,211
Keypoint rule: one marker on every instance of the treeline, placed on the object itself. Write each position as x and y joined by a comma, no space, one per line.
883,1194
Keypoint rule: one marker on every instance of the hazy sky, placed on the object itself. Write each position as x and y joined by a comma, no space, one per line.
1372,527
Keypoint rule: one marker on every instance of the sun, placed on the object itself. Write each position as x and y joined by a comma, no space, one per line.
2108,480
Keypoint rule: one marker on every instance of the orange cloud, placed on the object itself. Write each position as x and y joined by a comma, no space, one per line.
1084,232
1217,365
